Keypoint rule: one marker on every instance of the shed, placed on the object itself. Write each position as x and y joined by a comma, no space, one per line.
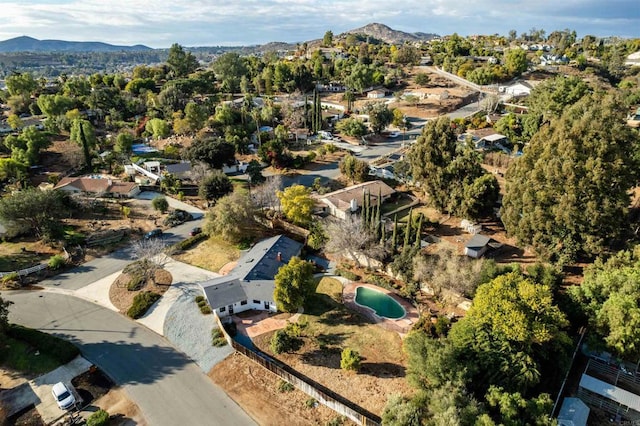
573,412
477,246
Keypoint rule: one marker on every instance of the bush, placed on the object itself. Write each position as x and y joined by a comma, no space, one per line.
336,421
191,241
348,274
57,348
160,204
282,341
205,310
11,280
217,338
135,283
350,360
141,304
99,418
311,403
199,299
56,262
284,386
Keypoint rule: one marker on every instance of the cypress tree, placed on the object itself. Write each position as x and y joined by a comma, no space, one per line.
377,217
407,231
419,230
365,211
394,236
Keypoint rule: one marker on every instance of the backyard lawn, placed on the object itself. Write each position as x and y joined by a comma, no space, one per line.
331,327
13,257
211,254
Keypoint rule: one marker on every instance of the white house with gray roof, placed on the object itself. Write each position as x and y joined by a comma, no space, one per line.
251,283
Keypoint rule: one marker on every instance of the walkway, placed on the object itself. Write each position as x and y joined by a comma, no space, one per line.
262,322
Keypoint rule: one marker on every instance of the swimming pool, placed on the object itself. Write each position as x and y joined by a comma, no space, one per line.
382,304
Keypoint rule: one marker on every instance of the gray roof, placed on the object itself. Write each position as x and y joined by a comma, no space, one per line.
573,412
609,391
178,168
477,241
252,278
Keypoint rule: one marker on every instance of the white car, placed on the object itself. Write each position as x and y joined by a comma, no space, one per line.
63,396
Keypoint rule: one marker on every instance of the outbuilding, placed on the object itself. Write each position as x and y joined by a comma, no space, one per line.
477,246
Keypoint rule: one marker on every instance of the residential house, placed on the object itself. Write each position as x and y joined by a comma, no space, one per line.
181,170
519,88
376,94
250,284
345,201
633,60
573,412
99,187
495,140
477,246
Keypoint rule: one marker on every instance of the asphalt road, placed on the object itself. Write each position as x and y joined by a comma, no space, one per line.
168,387
92,271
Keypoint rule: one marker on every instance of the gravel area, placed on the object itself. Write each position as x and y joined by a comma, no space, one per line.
190,331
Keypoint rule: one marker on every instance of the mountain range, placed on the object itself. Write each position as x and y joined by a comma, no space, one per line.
30,44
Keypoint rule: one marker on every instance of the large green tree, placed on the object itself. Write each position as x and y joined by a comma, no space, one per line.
216,185
380,116
451,175
181,63
229,68
34,211
25,147
294,283
214,152
232,217
610,298
567,196
512,333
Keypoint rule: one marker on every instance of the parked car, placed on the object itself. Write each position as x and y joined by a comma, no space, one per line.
154,233
195,231
63,396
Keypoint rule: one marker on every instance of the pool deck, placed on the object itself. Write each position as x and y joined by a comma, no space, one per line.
401,325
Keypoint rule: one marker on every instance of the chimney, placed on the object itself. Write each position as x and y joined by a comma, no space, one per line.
279,256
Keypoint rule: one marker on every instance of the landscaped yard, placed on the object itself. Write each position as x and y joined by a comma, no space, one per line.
13,257
332,327
211,254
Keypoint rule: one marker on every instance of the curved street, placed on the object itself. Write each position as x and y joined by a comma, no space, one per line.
168,387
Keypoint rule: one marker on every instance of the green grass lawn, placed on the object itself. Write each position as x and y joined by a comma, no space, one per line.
32,352
402,200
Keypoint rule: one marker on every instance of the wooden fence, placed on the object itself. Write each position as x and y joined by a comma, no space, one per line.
312,388
33,269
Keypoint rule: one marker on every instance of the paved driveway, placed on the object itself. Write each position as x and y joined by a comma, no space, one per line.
168,387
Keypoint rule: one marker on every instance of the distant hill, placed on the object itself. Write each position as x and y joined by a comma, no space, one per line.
30,44
389,35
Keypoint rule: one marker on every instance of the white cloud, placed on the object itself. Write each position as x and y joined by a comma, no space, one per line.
158,23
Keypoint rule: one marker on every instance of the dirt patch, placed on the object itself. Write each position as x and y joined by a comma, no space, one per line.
91,385
27,417
123,298
211,254
255,389
122,410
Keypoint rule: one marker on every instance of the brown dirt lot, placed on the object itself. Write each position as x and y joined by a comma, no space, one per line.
255,389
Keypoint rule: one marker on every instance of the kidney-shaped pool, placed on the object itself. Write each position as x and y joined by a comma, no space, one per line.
382,304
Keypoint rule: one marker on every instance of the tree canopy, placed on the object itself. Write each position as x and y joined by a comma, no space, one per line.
214,152
34,210
567,196
294,283
451,175
297,204
232,217
216,185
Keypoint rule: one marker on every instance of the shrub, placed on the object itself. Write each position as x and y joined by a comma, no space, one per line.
160,204
199,299
56,262
350,360
59,349
311,403
205,310
135,283
217,338
99,418
336,421
11,280
141,303
348,274
282,341
284,386
191,241
202,303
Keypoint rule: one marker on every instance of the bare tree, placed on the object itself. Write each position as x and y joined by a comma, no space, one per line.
265,195
352,237
151,256
199,171
448,270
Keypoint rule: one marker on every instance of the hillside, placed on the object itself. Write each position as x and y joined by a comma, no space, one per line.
389,35
30,44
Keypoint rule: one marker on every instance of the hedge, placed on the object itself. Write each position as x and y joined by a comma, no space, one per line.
190,242
61,350
141,303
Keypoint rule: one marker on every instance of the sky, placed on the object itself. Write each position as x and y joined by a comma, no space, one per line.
160,23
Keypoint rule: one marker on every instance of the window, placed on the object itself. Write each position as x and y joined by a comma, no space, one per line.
244,302
257,302
222,309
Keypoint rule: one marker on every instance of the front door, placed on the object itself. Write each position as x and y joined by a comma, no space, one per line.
230,309
266,305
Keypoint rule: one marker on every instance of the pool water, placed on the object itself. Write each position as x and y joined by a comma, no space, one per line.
383,305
